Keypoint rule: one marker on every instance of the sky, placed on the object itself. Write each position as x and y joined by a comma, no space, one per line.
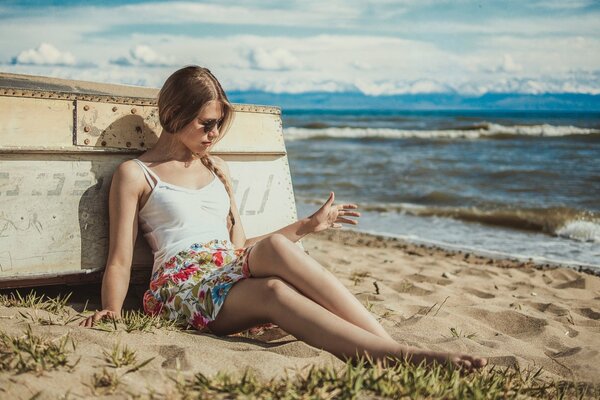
375,47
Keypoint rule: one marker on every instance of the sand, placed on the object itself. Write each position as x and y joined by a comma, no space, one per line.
515,313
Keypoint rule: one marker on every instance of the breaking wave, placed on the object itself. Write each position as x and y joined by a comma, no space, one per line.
482,130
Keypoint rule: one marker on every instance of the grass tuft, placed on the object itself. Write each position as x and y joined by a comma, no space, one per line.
30,352
358,276
136,320
458,334
119,357
33,300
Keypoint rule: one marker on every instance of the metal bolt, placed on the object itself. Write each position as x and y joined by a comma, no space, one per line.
128,144
86,107
114,109
142,144
86,141
138,129
86,129
103,143
133,110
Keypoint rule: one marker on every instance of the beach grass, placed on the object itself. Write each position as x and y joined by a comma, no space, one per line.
137,320
54,305
364,379
457,333
31,352
119,356
358,276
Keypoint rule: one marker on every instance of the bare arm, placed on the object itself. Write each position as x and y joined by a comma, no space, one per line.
122,205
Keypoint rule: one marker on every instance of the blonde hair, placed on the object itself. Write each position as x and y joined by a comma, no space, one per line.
181,97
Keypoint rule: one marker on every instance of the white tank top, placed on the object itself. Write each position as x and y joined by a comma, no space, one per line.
175,217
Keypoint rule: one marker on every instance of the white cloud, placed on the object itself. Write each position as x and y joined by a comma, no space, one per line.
276,59
143,55
44,54
361,65
389,87
509,65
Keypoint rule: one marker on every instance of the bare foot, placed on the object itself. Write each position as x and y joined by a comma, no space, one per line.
464,362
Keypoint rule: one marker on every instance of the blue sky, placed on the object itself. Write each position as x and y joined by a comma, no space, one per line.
374,47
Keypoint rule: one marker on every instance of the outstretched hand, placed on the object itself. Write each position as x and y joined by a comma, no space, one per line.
333,215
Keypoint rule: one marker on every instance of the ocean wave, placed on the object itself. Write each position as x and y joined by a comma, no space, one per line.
585,231
556,221
483,130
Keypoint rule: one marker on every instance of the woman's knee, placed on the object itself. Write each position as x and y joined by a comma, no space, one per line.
277,290
277,242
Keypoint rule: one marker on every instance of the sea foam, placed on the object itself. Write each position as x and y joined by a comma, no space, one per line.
485,130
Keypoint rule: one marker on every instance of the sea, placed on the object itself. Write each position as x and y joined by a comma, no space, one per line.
505,184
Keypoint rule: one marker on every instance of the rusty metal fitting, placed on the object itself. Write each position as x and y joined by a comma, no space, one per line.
128,144
86,129
133,110
86,107
103,143
114,108
86,141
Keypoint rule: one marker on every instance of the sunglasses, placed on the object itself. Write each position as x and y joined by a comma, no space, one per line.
210,124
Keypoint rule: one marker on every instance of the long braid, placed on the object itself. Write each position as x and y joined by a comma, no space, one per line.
211,166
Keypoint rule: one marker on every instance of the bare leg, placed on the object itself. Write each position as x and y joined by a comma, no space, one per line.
276,255
274,300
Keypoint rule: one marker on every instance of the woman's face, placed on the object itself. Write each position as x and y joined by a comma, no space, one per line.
200,134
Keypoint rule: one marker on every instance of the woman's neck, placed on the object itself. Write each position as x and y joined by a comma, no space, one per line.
168,148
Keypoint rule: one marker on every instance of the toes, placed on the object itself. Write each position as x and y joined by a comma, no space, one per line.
480,362
477,362
466,364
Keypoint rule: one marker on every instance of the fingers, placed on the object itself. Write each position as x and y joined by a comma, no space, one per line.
346,220
349,213
331,198
98,315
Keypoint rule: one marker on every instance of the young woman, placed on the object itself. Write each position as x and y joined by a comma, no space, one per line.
206,271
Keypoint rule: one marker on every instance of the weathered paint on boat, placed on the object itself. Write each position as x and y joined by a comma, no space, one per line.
61,141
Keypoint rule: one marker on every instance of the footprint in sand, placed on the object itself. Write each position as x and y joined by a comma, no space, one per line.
429,279
578,283
548,307
172,353
410,288
511,322
588,313
479,293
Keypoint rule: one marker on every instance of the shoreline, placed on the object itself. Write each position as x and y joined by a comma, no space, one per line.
504,260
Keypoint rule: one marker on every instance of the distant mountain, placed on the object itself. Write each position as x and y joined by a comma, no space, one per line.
440,101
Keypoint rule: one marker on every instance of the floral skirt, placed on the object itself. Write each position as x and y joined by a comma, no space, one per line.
192,285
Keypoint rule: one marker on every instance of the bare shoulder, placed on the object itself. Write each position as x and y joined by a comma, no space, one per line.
221,164
129,175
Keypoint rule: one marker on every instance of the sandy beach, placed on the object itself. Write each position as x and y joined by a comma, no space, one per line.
515,313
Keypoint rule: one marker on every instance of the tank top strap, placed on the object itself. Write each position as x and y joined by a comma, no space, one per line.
148,173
